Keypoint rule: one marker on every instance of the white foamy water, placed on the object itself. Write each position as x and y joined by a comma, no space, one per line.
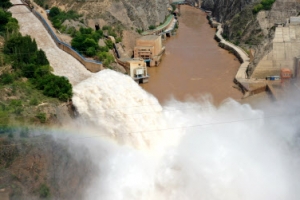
230,152
119,107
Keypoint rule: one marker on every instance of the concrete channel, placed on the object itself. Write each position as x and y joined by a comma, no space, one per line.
63,64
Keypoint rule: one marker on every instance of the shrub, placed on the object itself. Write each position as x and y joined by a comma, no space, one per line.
139,30
106,58
5,4
33,102
44,191
4,19
16,105
91,51
58,17
33,64
109,44
173,7
85,30
105,27
85,41
54,11
151,27
6,78
118,39
41,117
263,5
55,86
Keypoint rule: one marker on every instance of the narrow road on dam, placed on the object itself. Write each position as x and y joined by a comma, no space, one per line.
62,63
194,64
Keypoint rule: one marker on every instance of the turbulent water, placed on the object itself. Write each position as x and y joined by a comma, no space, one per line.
186,150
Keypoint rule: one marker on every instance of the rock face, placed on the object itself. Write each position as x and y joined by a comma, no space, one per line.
223,9
248,30
129,13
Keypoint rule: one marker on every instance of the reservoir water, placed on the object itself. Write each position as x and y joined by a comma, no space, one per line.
193,63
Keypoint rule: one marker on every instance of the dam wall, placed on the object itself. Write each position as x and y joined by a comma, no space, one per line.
90,65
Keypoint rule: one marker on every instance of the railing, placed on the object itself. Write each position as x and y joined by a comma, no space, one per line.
91,65
161,27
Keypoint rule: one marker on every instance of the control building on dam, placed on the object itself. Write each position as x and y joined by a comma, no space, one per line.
150,49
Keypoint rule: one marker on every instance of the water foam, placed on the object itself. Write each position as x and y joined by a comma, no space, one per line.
119,107
230,152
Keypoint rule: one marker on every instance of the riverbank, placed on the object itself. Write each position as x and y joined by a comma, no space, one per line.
189,68
248,85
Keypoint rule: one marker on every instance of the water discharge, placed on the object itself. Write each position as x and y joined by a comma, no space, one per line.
186,150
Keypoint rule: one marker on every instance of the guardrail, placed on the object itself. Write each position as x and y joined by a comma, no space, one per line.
241,75
160,27
91,65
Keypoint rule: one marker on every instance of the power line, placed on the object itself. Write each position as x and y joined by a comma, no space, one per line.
175,128
149,112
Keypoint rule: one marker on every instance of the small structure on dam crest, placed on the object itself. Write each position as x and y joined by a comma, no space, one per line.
136,68
150,49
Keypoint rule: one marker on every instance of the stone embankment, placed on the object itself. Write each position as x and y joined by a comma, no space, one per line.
248,85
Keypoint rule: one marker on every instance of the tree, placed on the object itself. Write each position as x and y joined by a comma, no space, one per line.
91,51
6,78
5,4
106,58
41,58
44,191
89,42
151,27
28,70
4,19
54,11
109,44
12,25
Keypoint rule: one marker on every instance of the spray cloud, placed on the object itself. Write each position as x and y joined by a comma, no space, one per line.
186,150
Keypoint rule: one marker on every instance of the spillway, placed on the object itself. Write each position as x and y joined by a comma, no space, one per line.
62,63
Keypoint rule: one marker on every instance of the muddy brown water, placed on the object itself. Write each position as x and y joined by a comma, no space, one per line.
193,63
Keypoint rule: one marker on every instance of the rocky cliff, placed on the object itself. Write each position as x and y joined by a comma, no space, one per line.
129,13
223,9
251,31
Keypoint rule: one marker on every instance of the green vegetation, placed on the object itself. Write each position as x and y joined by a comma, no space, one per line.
116,32
176,26
5,4
25,77
86,41
173,7
30,62
263,5
152,27
19,103
7,23
106,58
44,191
58,17
139,31
41,117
